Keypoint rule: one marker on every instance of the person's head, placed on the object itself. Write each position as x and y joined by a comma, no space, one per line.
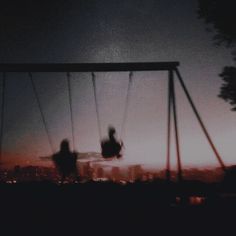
65,147
111,131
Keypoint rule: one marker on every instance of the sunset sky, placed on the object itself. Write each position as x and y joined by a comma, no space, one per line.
113,31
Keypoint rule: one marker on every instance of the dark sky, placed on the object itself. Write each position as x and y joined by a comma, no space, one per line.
112,31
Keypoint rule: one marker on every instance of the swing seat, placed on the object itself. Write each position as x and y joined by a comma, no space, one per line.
65,163
111,149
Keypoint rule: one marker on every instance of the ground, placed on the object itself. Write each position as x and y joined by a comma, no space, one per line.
98,208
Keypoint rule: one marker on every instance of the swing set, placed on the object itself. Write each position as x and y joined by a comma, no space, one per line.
93,68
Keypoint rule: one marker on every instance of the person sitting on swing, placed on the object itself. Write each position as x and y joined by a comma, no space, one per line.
111,147
65,161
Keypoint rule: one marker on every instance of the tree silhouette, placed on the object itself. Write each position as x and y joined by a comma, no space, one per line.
228,88
220,16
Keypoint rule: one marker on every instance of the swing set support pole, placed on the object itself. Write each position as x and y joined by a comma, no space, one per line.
89,67
172,109
172,89
200,120
168,131
2,115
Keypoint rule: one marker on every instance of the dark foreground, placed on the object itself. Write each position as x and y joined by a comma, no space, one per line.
110,209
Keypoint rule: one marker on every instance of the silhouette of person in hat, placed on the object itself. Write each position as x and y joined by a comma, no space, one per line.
111,147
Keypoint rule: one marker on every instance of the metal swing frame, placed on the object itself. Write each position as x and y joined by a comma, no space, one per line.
170,67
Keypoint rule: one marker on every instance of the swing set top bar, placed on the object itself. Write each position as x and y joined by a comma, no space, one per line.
89,67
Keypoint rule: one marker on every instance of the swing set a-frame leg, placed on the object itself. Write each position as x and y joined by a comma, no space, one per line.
200,120
172,108
168,176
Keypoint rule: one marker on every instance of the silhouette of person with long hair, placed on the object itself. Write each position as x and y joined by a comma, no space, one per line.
65,161
111,147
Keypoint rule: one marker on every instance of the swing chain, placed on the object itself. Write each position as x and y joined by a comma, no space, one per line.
41,111
68,75
96,105
2,114
127,101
